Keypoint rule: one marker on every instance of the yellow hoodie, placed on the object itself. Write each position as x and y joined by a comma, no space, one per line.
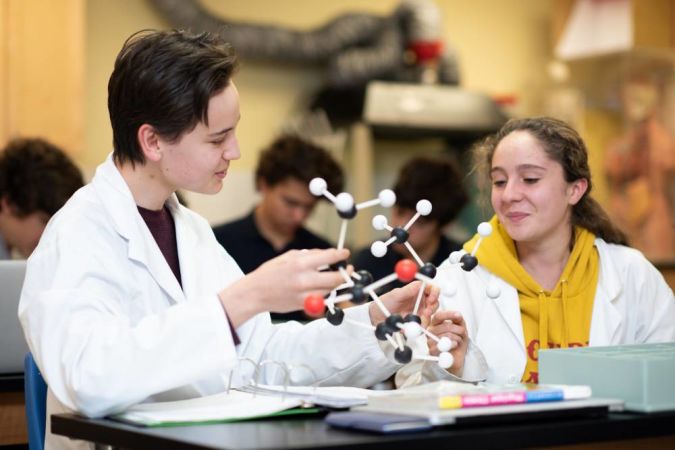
563,315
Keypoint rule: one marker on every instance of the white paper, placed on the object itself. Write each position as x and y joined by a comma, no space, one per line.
596,28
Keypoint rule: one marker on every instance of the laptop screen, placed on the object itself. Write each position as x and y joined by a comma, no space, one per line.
13,345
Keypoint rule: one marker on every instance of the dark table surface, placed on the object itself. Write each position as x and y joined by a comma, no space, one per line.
11,382
304,433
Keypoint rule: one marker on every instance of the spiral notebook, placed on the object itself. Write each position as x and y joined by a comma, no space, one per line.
245,403
218,408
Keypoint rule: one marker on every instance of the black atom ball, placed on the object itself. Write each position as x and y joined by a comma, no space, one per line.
393,321
428,270
413,318
403,356
358,293
366,277
382,330
335,318
468,262
348,214
400,234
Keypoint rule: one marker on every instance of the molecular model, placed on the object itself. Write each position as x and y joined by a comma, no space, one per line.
468,261
360,285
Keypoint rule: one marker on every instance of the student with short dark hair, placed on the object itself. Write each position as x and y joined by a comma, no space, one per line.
276,224
437,180
129,298
36,179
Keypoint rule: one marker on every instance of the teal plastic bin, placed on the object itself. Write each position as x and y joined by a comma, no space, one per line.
641,375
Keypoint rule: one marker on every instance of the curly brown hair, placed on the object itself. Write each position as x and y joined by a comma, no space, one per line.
295,158
562,144
37,176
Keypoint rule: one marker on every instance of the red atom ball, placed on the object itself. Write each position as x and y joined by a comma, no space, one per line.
405,270
314,305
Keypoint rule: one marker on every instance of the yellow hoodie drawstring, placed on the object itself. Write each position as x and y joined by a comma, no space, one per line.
565,331
543,320
543,317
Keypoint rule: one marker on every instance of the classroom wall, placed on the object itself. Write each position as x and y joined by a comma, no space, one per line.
42,71
503,48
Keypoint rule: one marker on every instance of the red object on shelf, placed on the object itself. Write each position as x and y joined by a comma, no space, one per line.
406,269
314,305
505,99
426,50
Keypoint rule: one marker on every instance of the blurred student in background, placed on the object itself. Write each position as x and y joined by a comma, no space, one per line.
434,179
276,224
36,180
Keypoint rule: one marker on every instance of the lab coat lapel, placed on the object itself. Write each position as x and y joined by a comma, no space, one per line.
129,224
507,303
187,242
606,318
144,250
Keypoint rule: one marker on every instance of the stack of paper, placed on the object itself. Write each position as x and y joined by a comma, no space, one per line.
453,395
448,402
440,402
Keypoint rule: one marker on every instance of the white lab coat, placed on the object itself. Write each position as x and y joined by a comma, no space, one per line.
110,326
633,304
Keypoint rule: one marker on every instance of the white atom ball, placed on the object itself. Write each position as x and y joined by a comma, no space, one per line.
445,360
455,257
317,186
378,249
484,229
493,290
444,344
344,202
424,207
448,288
379,222
387,198
412,330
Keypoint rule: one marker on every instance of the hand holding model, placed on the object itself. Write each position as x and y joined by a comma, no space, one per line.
295,273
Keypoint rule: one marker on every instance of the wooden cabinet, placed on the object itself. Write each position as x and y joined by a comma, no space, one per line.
13,429
42,45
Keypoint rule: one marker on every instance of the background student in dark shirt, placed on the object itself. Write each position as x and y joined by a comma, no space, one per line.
440,182
276,224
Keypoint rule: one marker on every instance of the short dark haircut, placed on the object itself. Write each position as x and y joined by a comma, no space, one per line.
434,179
290,157
36,176
164,79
